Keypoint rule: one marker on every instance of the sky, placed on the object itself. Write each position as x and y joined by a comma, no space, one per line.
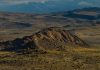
45,6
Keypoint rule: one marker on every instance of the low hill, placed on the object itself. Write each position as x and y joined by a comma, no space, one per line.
53,38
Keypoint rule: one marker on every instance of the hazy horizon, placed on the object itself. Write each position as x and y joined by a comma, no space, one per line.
45,6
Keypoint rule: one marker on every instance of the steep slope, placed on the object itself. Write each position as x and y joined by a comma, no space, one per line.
47,39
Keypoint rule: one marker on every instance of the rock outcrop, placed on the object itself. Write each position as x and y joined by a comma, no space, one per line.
50,38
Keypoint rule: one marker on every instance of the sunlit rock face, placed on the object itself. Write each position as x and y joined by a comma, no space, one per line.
53,38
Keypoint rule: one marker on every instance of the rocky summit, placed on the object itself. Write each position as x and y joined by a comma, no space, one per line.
53,38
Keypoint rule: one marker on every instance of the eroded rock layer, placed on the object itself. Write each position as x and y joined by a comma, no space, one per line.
50,38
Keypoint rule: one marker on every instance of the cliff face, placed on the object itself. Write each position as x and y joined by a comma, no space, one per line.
50,38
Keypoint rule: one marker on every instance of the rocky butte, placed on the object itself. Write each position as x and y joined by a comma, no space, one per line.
53,38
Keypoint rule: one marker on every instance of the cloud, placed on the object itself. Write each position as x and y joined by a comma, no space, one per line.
55,2
84,3
12,2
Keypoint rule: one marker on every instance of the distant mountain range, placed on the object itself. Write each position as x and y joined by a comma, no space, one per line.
45,6
92,13
85,16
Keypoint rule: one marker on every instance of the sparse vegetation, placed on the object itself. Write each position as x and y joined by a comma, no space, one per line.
53,60
67,57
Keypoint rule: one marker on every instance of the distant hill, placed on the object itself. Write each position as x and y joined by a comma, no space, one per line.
85,16
92,13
